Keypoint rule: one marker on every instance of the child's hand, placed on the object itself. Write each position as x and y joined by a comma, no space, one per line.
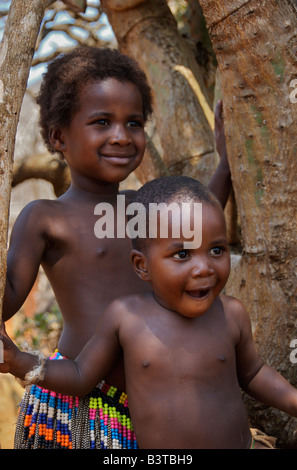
220,132
8,352
220,183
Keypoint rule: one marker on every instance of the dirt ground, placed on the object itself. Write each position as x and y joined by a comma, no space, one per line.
10,396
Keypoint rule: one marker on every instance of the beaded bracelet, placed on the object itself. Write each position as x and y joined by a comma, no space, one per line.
37,373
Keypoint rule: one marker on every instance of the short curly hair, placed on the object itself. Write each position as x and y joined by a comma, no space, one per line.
168,189
68,73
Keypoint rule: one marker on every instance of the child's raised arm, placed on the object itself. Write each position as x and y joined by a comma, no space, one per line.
70,377
220,183
256,378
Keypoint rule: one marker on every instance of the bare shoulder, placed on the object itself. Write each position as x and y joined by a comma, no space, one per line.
116,318
40,208
235,311
35,213
232,303
37,218
125,311
132,304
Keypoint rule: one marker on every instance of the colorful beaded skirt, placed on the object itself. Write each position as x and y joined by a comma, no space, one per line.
50,420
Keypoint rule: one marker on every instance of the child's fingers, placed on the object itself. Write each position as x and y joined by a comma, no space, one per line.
6,343
3,330
7,351
3,367
219,110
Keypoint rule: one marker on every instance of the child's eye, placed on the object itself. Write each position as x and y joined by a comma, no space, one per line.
102,122
135,124
181,254
217,250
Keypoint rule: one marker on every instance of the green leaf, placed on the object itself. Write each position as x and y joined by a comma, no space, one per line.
78,6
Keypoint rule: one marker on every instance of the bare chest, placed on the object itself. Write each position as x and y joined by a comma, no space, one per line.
77,239
195,352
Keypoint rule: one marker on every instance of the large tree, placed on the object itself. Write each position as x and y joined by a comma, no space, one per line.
255,45
183,103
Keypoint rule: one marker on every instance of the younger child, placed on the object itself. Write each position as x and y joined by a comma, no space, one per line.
93,107
186,348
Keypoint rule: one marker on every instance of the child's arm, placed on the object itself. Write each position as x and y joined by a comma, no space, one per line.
70,377
220,183
27,245
256,378
272,389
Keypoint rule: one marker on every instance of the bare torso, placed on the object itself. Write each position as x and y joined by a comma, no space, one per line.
86,273
183,388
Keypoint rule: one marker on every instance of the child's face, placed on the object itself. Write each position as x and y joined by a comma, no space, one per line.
105,139
188,280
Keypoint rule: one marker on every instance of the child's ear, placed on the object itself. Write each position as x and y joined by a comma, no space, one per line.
56,139
139,264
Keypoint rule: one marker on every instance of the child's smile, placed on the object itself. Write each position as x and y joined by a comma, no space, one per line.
200,293
105,139
188,280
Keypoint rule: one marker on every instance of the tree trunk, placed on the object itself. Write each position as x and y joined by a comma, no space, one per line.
255,45
16,52
182,109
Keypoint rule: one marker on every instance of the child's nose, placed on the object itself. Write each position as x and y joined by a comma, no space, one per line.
120,135
202,267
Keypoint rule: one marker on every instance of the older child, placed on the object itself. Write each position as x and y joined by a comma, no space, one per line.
186,348
93,104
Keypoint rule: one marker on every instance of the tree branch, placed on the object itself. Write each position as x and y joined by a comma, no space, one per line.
43,166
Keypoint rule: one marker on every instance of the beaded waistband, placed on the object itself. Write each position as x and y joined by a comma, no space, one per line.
51,420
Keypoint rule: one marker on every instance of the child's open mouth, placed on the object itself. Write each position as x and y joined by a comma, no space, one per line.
199,293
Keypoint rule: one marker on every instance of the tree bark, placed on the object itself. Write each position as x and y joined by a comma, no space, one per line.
16,52
182,109
255,45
